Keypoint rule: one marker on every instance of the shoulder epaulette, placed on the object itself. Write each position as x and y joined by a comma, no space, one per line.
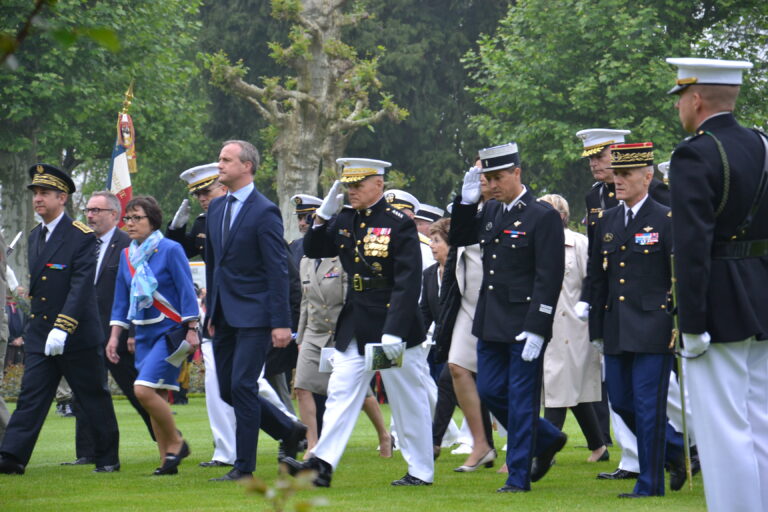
597,184
201,216
82,227
424,239
394,212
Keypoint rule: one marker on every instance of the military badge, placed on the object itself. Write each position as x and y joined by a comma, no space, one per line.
517,223
608,237
488,226
40,169
297,200
376,266
646,238
390,197
514,234
647,229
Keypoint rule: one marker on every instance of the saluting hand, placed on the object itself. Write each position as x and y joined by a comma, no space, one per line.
331,203
470,189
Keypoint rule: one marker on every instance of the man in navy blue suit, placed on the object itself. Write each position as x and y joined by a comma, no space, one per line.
247,301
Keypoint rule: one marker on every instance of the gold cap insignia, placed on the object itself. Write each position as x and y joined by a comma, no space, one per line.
390,197
40,169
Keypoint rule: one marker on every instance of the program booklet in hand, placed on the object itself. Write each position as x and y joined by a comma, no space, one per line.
326,360
376,359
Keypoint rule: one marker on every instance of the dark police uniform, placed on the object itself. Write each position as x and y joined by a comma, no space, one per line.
630,280
192,242
379,249
62,296
523,267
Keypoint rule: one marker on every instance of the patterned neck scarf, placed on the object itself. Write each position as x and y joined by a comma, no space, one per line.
143,283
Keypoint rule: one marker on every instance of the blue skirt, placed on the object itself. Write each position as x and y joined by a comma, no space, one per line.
151,351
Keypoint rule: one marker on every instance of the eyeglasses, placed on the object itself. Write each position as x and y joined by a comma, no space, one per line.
96,211
133,218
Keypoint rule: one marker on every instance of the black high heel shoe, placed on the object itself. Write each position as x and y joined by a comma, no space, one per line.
172,460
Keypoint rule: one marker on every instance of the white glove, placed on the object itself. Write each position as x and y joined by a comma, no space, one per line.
582,310
533,344
331,203
54,345
392,346
695,344
470,190
182,216
598,344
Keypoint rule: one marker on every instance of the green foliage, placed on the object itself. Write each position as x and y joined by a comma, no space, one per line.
601,64
66,97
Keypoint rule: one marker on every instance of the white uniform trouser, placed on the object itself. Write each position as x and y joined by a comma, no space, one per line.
407,399
452,434
221,416
675,408
268,393
729,401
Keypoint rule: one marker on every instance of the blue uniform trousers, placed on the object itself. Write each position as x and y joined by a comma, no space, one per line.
637,387
511,389
240,355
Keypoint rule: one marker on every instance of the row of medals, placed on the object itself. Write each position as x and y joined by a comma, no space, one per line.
376,245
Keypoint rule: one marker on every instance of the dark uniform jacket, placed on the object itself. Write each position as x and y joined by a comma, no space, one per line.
726,297
192,242
61,289
105,285
430,295
523,265
379,250
630,277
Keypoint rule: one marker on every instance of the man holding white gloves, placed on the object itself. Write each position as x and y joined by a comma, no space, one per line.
523,266
379,249
63,336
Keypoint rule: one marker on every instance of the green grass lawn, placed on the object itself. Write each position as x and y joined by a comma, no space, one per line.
361,482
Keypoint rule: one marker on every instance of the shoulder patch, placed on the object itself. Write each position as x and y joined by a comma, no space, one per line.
82,227
424,239
393,212
597,184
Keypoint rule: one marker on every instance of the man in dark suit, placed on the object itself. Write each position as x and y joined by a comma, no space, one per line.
63,336
630,281
379,249
523,266
247,301
103,212
720,227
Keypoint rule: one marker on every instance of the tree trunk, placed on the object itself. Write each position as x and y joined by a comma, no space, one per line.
17,212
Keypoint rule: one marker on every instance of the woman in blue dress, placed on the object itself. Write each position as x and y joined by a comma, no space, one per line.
155,292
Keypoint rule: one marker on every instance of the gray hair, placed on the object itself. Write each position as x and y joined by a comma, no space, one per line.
112,199
560,204
248,152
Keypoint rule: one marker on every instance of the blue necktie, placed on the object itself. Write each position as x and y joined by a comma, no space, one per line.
227,217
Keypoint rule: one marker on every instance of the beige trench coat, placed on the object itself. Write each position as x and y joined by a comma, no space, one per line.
571,364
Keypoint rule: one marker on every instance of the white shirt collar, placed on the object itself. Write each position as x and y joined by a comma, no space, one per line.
511,205
635,208
243,193
107,237
52,225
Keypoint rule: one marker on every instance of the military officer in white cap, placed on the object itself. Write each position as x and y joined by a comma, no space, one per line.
718,179
305,208
426,216
378,247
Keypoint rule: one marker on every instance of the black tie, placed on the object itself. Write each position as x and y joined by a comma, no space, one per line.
227,217
630,215
41,242
99,241
317,263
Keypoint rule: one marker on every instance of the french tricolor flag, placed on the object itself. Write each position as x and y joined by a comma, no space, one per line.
123,162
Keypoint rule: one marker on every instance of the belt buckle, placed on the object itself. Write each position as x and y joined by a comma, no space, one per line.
357,283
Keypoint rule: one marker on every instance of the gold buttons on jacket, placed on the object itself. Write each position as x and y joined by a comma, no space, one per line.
493,256
491,272
362,224
496,241
621,281
663,306
44,278
623,247
45,317
490,287
32,315
43,299
621,298
645,251
622,264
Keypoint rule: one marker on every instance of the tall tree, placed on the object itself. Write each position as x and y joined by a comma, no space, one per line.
60,104
553,68
314,112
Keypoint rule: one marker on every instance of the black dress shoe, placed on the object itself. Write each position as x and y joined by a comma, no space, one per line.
80,461
323,469
290,446
510,488
172,460
632,495
107,468
410,481
619,474
213,464
543,462
677,475
233,475
9,466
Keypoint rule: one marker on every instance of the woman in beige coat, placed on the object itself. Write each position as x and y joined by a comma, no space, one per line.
571,364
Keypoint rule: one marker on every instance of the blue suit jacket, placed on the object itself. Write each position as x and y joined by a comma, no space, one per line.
247,277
